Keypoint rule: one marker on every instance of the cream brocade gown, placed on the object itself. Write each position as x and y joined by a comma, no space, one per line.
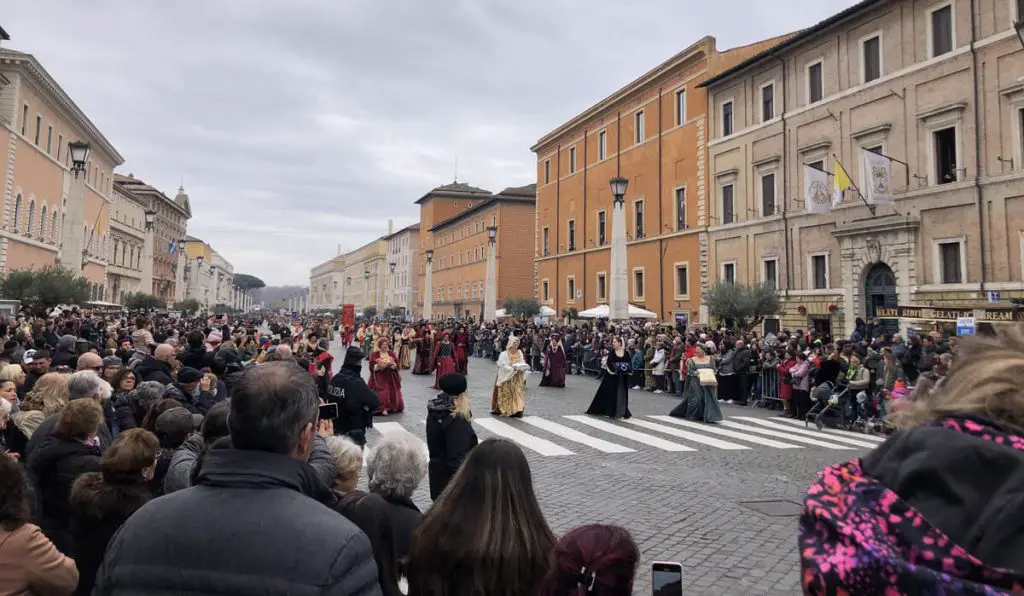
509,396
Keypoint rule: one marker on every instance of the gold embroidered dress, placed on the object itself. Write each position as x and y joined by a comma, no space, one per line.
509,396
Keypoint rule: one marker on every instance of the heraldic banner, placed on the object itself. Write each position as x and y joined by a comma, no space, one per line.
879,172
817,190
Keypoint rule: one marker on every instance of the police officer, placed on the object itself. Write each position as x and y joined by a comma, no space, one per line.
356,402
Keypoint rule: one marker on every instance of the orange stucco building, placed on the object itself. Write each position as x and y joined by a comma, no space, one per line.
453,223
654,132
48,215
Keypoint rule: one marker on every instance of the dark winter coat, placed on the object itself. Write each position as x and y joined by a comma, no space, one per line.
253,524
151,369
449,440
54,466
369,512
194,357
45,430
98,509
405,517
356,401
124,413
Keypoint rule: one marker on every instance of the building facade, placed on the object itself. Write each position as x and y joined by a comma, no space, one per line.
126,268
168,236
652,132
460,245
358,277
402,276
925,83
208,277
327,285
50,215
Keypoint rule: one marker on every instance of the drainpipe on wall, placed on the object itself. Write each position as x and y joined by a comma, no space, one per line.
978,194
785,180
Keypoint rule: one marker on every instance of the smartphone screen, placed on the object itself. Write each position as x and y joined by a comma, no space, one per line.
666,579
328,411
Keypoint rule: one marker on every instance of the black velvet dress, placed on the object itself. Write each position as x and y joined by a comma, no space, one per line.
612,397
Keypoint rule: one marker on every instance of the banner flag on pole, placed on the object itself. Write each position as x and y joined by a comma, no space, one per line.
842,182
878,169
817,196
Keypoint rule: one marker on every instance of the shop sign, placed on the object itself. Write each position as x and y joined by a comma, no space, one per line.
931,313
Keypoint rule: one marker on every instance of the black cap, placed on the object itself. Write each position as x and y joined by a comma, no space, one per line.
189,375
453,384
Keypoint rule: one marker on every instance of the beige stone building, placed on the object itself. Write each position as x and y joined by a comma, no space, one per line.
358,277
926,83
402,275
127,271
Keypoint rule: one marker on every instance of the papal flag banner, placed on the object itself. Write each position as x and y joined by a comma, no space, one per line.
817,191
842,182
878,169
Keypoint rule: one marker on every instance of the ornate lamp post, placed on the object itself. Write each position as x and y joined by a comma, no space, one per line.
619,303
428,286
491,283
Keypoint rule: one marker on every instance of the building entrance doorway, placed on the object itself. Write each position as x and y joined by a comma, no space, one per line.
880,292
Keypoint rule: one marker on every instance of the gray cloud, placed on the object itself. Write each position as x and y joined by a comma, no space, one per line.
299,125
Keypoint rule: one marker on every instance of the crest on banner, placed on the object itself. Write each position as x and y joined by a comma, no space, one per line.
879,172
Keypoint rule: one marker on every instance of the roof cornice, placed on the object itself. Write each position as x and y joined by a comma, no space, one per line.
28,64
697,50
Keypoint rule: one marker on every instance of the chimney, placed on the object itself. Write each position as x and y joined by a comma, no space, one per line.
391,227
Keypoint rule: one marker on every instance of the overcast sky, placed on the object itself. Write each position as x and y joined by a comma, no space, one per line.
299,125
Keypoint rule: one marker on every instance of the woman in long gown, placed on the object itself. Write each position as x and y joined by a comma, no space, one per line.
424,351
612,397
384,378
554,364
462,350
405,351
443,361
509,395
699,401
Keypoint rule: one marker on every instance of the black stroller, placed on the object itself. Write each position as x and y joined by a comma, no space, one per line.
835,406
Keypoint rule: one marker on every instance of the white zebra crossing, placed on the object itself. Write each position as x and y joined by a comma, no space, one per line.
542,446
832,431
782,435
682,434
806,432
572,434
714,429
632,435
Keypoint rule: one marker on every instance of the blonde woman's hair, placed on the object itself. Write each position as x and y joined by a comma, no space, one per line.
985,380
49,395
461,406
348,458
11,372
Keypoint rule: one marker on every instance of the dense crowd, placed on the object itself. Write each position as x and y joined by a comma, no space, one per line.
216,456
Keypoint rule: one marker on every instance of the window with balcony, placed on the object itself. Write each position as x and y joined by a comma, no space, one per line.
940,24
815,82
602,145
638,219
680,106
680,204
727,119
728,207
767,102
945,149
871,58
602,226
768,195
572,234
639,126
602,287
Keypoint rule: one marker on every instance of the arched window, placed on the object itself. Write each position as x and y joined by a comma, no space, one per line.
31,217
42,223
17,213
53,228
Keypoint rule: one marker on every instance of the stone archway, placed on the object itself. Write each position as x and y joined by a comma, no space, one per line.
879,289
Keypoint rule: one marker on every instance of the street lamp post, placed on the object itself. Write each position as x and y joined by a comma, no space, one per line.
428,287
491,284
366,288
77,250
619,304
391,284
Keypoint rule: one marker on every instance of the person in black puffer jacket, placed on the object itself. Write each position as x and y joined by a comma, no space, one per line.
71,450
450,434
356,401
195,355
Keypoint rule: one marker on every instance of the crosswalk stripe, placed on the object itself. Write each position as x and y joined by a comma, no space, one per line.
541,446
574,435
832,431
807,432
682,434
714,429
389,427
631,434
796,438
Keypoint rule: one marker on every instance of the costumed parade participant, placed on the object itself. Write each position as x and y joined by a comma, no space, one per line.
346,335
385,379
443,361
509,395
361,334
424,351
405,351
462,350
699,390
612,397
554,363
368,338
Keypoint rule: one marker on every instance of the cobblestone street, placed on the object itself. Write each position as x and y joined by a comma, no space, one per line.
721,503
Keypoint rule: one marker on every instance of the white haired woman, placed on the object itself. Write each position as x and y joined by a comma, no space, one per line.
395,467
509,395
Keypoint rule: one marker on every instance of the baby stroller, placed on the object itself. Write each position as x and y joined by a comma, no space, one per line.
835,406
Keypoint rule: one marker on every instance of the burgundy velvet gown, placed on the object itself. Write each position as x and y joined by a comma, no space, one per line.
554,367
387,382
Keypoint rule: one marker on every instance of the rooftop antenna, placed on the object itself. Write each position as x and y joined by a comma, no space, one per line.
456,169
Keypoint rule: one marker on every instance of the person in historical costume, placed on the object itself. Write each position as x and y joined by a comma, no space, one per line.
368,338
700,402
462,350
361,335
405,350
612,397
509,395
346,335
424,351
384,378
554,363
443,361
